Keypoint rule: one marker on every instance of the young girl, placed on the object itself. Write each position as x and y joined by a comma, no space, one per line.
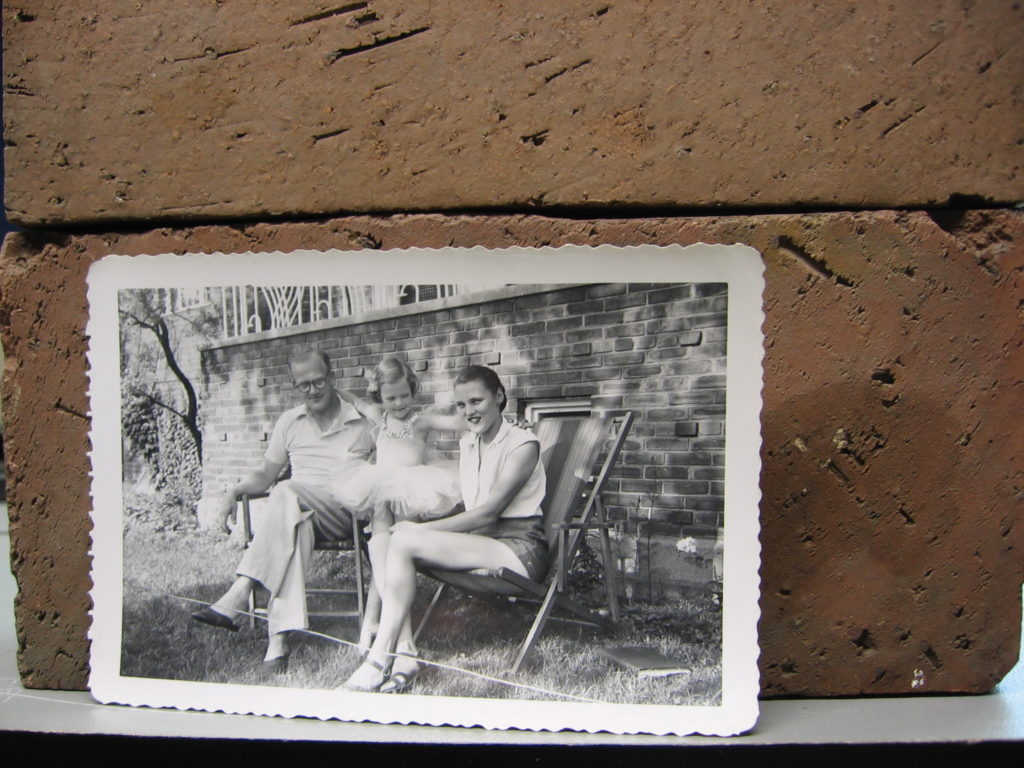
399,486
502,526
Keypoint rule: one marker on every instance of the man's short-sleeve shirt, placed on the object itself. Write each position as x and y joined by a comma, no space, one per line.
317,456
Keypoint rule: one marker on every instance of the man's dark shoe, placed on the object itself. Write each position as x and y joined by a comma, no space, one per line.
215,619
275,666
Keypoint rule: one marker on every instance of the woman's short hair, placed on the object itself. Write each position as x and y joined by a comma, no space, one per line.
388,371
485,376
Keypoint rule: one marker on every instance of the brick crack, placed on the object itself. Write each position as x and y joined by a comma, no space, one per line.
328,135
815,266
329,14
341,53
66,409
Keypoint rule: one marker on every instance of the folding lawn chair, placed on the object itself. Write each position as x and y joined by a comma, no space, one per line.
356,544
569,450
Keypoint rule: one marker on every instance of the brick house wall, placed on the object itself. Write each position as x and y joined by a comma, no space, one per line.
656,349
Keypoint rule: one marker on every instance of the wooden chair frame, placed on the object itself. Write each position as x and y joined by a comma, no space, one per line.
566,532
357,544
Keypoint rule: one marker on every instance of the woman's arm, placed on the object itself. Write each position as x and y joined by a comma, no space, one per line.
517,470
366,408
441,422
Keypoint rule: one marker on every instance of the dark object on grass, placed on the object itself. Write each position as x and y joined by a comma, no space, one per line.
645,662
275,666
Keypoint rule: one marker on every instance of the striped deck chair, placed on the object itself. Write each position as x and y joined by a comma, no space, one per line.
572,506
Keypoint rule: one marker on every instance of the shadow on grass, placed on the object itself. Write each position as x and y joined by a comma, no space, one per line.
484,636
160,640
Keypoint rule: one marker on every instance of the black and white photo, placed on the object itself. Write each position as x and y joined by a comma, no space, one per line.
504,488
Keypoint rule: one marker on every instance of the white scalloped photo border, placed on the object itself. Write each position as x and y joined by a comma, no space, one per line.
739,266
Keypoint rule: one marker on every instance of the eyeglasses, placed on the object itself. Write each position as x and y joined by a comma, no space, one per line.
308,386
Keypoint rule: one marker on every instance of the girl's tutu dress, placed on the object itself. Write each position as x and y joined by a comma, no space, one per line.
400,479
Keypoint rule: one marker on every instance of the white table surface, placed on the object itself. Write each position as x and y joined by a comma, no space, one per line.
998,717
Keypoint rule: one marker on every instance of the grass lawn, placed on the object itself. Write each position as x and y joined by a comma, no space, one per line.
163,565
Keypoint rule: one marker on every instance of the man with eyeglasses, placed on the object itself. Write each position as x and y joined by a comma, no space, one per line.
317,439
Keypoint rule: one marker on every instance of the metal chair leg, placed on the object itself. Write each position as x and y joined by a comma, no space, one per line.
538,626
358,543
609,574
427,614
608,565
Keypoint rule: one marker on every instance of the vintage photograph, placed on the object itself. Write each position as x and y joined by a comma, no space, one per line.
348,498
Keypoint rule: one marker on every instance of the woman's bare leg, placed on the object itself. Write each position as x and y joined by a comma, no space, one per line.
442,549
383,519
371,618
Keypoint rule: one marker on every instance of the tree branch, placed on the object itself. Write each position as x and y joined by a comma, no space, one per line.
157,401
190,417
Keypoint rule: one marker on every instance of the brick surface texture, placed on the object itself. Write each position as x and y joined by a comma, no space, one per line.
891,429
190,109
656,350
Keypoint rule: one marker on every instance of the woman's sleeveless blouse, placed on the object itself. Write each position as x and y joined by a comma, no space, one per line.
480,466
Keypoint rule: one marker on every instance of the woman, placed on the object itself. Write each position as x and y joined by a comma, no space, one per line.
502,526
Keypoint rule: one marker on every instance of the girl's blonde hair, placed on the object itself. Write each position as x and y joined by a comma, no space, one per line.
388,371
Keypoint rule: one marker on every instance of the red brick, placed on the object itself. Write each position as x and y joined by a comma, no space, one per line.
686,429
704,503
589,307
643,458
646,342
644,313
702,411
679,517
685,487
669,353
666,473
710,289
565,324
644,400
665,414
960,291
545,391
627,299
666,324
699,397
643,371
686,459
604,318
706,518
704,382
708,444
709,320
586,334
628,329
600,291
623,358
617,387
583,348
